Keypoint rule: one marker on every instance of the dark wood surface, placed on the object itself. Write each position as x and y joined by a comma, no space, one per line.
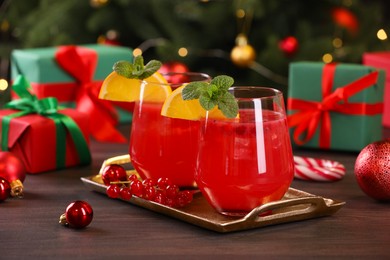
29,227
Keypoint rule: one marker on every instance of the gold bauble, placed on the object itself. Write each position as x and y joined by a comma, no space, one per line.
243,55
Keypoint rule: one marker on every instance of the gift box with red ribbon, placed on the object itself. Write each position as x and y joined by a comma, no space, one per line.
43,136
381,60
73,75
335,106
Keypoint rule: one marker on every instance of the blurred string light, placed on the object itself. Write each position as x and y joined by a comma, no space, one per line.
3,84
327,58
382,35
183,52
137,52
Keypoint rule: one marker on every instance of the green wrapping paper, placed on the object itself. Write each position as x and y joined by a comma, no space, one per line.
354,117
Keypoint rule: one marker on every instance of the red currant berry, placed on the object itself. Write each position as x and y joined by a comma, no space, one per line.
5,189
149,182
163,182
113,191
171,203
160,198
132,177
149,193
171,191
183,198
137,188
187,195
125,193
78,214
113,172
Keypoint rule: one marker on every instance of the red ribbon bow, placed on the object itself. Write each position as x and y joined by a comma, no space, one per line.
102,114
312,113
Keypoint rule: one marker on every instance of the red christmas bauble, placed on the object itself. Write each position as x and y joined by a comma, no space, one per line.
169,68
289,45
12,169
173,66
5,189
372,170
345,18
79,214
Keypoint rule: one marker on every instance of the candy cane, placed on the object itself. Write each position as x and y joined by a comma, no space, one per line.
307,168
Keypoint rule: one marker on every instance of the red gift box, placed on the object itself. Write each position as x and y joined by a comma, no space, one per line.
381,60
44,137
33,139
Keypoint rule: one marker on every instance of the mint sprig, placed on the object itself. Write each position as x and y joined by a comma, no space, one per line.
215,93
137,69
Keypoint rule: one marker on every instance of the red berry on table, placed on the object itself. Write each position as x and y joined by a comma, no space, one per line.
112,173
78,214
5,189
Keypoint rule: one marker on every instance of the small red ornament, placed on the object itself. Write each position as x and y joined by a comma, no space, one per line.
5,189
78,215
113,172
177,67
372,170
289,45
12,169
345,18
173,66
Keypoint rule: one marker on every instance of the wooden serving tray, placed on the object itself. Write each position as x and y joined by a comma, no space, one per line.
296,205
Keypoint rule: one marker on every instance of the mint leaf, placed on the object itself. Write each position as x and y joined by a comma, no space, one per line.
123,68
228,105
137,69
150,68
193,90
215,93
223,82
206,102
138,63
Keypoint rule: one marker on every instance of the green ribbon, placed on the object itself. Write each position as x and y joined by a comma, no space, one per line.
47,107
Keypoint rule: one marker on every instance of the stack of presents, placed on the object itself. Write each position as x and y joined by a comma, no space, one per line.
55,107
55,110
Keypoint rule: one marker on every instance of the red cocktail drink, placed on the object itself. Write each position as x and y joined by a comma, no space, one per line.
247,161
161,146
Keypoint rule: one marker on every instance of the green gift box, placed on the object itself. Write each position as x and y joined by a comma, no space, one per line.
335,106
73,75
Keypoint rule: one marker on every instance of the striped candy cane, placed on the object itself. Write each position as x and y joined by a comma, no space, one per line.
307,168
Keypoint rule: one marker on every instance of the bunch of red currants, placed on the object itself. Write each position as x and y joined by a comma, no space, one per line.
162,191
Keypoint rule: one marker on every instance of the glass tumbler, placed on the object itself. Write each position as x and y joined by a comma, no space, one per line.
247,161
161,146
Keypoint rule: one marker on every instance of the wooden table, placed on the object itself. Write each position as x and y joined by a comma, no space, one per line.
29,227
